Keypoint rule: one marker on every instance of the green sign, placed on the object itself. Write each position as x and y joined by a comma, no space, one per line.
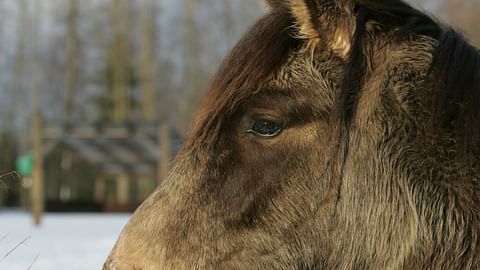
24,164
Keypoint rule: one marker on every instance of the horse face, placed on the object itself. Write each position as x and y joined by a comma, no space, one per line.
304,152
249,187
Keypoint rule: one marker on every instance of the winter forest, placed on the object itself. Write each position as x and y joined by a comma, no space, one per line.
111,61
120,62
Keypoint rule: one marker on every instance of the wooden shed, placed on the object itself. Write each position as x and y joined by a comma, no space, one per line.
104,168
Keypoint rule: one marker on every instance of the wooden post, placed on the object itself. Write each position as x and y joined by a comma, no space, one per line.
37,173
144,187
2,197
37,137
123,190
100,189
164,143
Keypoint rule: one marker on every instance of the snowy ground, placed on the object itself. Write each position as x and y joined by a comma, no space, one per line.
63,242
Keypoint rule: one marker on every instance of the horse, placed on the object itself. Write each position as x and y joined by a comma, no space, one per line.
337,134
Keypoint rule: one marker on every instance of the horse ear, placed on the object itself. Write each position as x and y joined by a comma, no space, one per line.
272,4
329,21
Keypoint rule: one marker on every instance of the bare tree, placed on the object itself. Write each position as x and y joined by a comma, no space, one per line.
229,24
147,60
191,65
120,59
17,83
71,72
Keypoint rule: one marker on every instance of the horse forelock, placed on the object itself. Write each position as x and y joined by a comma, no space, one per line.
251,63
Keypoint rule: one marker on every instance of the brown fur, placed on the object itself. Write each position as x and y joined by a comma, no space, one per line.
367,174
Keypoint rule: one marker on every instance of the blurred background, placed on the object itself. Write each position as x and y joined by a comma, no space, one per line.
95,98
97,81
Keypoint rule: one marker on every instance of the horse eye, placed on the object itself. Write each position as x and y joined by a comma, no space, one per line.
266,128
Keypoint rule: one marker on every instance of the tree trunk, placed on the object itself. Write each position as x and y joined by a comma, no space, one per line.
71,73
120,60
147,62
191,66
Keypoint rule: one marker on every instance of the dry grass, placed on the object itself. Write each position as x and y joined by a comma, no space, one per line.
13,174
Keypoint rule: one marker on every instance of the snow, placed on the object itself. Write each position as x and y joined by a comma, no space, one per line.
64,241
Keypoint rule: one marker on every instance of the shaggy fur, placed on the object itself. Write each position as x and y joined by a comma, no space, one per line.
377,166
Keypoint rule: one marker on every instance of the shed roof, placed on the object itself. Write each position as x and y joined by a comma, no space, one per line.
111,151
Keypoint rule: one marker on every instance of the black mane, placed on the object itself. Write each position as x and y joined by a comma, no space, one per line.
456,78
455,69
